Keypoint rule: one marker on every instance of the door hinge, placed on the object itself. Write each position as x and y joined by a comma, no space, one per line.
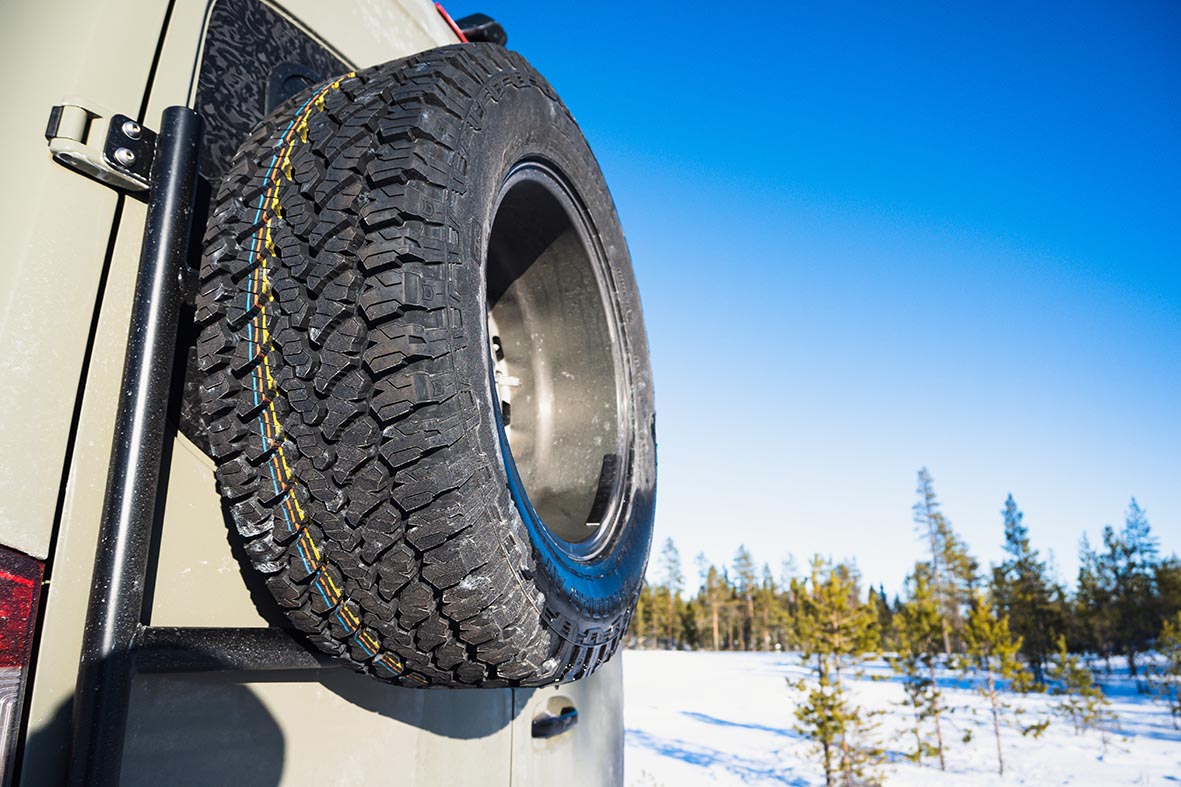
106,146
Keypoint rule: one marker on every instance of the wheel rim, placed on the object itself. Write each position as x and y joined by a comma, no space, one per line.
558,363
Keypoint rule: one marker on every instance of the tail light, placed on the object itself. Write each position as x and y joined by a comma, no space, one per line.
20,590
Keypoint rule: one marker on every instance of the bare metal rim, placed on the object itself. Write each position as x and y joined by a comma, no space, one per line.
559,364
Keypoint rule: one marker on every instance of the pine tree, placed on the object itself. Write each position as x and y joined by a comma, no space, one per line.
1024,593
953,570
674,583
1167,675
711,597
992,655
1080,702
745,583
837,633
929,521
918,632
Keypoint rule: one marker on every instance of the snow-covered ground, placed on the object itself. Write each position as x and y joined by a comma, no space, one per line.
726,718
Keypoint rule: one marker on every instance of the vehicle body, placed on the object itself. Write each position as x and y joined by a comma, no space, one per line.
67,285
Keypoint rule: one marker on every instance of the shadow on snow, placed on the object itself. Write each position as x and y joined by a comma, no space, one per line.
704,757
705,719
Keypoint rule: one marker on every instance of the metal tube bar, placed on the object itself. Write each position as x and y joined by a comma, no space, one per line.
114,614
175,650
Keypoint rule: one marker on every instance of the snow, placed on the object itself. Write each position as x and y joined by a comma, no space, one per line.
726,719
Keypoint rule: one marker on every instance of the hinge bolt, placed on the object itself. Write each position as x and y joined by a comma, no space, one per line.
131,129
125,157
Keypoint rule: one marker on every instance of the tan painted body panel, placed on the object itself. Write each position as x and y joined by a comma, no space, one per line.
321,727
55,226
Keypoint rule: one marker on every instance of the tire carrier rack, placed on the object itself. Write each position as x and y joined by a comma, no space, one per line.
117,643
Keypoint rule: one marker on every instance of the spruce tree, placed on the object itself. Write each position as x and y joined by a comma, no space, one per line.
1139,619
918,634
1024,593
769,614
837,633
1080,701
796,589
1128,567
1168,587
877,598
690,624
1094,613
992,656
728,609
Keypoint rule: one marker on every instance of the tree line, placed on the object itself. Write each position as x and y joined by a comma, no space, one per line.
1013,627
1124,592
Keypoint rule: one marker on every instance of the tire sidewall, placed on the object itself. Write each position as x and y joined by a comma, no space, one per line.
510,123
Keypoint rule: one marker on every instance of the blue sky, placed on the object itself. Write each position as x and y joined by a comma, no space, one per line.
872,237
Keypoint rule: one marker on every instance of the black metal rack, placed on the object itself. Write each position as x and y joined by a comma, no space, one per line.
116,642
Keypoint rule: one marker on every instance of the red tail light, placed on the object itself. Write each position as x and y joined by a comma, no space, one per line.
20,590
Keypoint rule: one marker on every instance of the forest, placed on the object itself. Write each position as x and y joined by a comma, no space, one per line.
1010,628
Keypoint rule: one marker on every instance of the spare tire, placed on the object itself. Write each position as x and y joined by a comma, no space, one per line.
426,378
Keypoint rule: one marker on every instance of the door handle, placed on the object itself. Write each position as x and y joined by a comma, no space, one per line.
548,725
